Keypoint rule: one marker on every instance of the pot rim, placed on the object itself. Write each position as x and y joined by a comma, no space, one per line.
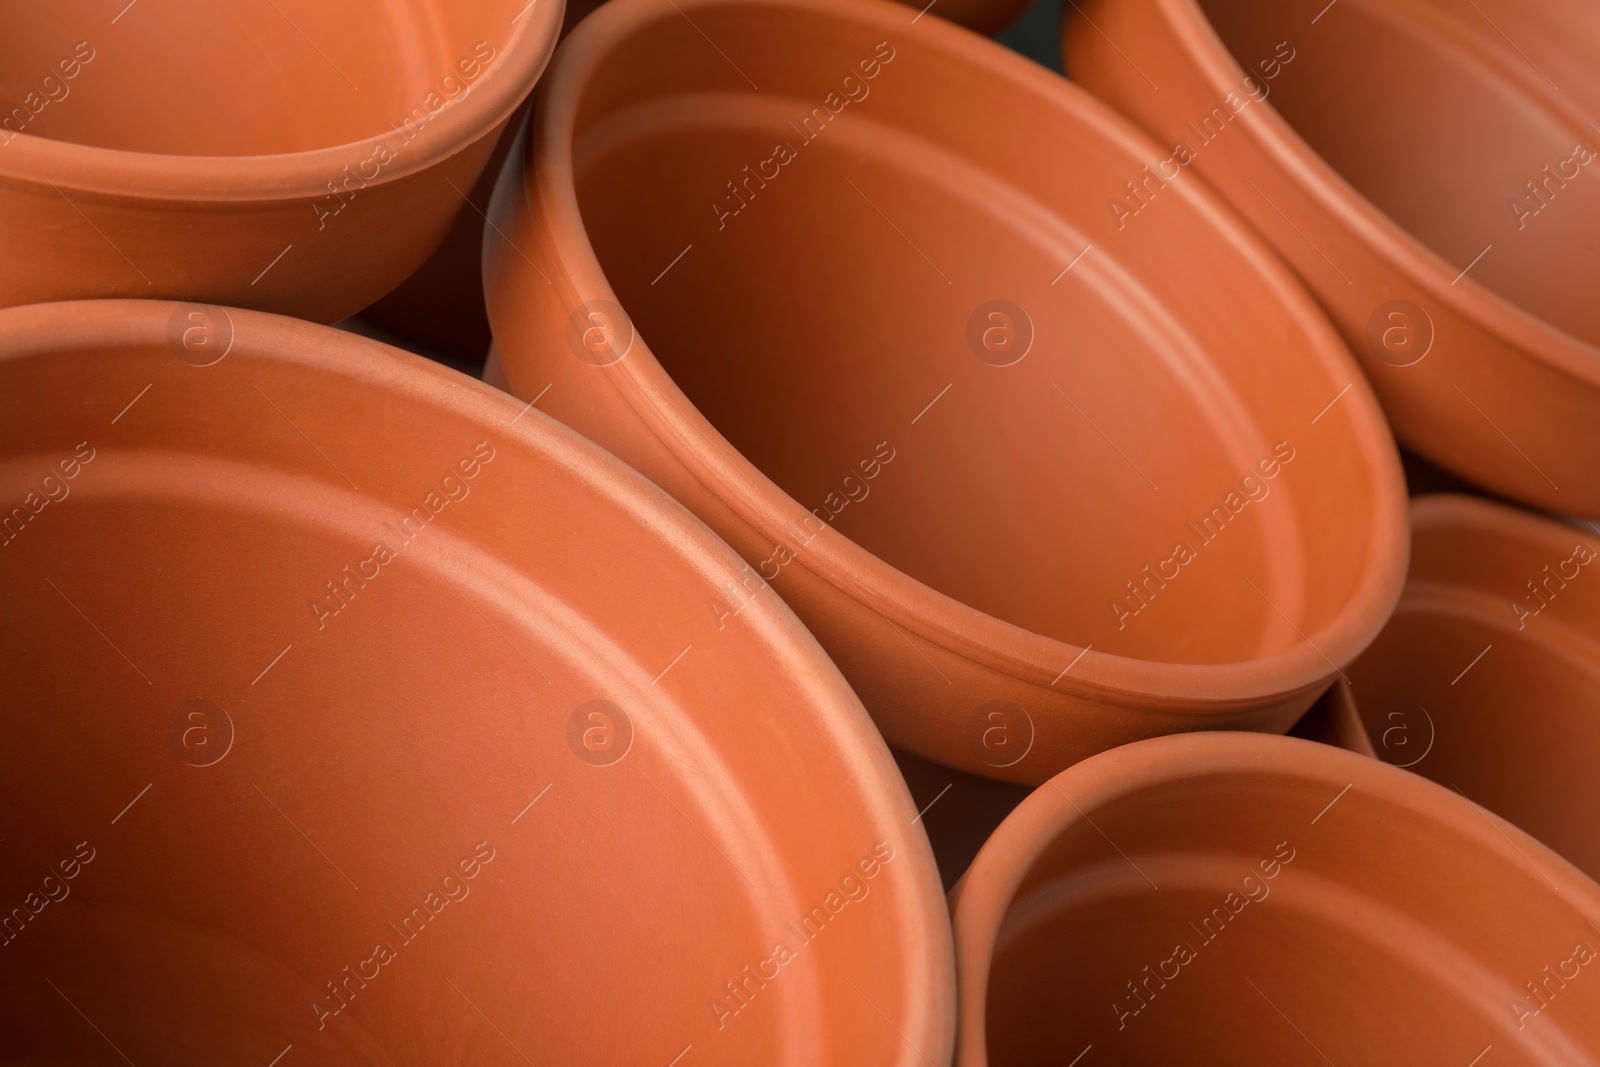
840,723
1478,515
130,175
980,901
544,189
1388,240
1469,518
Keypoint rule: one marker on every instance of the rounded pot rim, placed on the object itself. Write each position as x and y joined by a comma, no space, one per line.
544,188
1430,272
130,175
840,723
980,901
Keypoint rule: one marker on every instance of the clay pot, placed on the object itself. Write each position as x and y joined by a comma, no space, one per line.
1487,679
294,156
948,434
1235,898
358,709
1418,166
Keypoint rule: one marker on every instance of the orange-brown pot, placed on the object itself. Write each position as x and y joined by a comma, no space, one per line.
1232,898
1417,163
1487,679
1036,492
354,708
292,156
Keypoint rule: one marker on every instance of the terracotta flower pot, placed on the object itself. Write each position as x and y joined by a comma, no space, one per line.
1487,679
1418,165
291,156
1233,898
355,708
1035,491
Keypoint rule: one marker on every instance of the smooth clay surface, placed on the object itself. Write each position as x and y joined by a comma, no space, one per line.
1432,170
286,155
1235,898
873,325
355,708
1487,679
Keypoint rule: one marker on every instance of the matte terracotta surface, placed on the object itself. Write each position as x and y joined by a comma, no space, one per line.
1036,491
352,707
286,155
1233,898
1429,167
1487,679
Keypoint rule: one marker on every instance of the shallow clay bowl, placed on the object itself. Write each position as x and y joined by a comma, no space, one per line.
1487,679
1236,898
1429,167
354,707
1036,491
286,155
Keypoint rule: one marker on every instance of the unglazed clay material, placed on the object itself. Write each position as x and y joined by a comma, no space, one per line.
292,156
1428,166
1236,898
1036,491
354,707
1487,679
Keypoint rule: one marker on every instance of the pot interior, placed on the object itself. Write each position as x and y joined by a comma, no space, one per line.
818,266
1372,934
255,77
1470,123
288,762
1484,684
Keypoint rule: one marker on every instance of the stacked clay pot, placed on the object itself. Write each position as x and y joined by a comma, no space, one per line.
1246,899
801,312
291,156
849,622
365,742
1425,165
1487,678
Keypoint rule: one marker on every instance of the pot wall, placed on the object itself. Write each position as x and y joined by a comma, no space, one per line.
1383,150
1235,898
815,381
458,760
1487,679
236,160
